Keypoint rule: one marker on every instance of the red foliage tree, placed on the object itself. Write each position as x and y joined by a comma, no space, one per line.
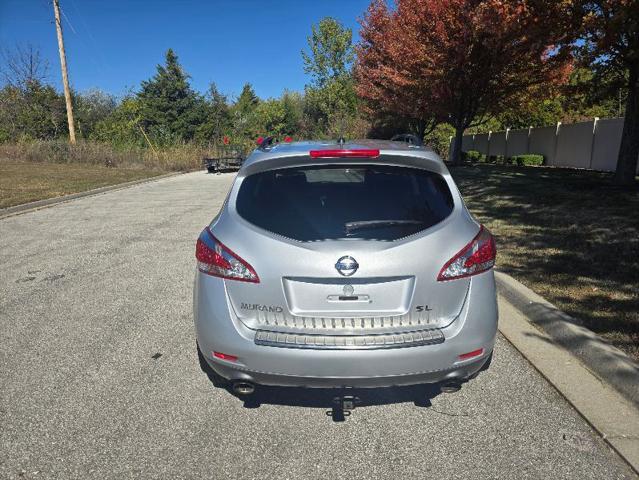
458,61
611,46
384,82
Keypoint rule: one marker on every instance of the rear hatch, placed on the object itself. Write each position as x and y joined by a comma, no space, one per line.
349,247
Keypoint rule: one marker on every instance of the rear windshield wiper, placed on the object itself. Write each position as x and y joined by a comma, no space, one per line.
368,224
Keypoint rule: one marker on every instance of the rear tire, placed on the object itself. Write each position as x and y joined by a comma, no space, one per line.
485,366
215,378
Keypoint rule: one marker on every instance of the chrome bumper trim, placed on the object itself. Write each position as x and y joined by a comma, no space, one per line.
349,342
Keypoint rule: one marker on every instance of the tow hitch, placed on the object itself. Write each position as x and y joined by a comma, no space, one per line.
343,406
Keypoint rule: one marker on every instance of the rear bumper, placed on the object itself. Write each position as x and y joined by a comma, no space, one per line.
216,330
461,373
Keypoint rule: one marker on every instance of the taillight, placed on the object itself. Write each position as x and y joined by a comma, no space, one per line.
214,258
476,257
358,153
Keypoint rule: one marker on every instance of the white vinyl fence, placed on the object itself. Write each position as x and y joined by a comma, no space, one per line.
593,144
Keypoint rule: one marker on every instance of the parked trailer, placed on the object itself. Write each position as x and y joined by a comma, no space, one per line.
221,164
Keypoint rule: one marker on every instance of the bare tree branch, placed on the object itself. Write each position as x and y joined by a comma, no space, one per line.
22,65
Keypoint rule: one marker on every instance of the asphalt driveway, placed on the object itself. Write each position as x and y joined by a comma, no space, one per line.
99,376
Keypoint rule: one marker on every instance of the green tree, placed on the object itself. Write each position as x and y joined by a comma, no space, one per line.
217,121
331,103
270,118
587,94
439,139
293,103
31,111
332,108
247,101
331,52
90,108
170,110
123,126
593,93
243,111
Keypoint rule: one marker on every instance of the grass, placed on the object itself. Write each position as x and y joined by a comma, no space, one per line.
24,181
569,235
40,169
180,157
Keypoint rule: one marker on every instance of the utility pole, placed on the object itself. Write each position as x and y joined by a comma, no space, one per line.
63,64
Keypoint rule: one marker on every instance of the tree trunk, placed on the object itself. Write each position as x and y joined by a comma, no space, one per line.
629,149
456,153
421,129
417,128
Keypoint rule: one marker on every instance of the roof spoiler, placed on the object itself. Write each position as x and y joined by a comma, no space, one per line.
415,158
407,138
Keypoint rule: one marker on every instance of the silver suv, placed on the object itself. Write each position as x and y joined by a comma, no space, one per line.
344,265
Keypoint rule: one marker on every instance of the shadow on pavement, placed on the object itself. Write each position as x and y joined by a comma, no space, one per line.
332,399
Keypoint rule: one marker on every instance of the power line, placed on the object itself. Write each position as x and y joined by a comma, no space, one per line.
69,22
99,60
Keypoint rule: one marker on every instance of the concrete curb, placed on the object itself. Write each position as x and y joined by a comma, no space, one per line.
607,411
609,364
49,202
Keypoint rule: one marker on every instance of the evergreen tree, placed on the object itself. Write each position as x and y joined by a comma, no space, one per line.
217,121
244,111
170,110
247,101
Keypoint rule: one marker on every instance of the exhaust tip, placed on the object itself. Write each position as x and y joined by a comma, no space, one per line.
450,387
243,388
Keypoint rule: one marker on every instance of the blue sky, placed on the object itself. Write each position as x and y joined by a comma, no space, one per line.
115,44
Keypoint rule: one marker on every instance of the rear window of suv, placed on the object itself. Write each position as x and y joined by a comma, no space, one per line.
372,202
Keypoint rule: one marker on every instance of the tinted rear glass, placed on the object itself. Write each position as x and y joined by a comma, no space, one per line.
334,202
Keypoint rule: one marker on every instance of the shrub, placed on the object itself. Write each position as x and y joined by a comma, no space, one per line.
527,160
473,156
439,139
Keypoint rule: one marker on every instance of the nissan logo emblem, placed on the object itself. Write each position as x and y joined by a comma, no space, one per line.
346,266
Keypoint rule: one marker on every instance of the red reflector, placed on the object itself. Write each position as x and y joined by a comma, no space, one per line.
362,153
259,140
225,356
474,353
288,139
